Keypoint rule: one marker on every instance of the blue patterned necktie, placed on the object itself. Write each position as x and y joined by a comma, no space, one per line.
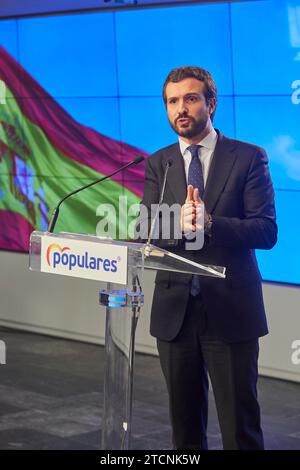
195,178
195,174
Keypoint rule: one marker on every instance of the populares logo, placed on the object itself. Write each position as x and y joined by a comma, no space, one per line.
62,256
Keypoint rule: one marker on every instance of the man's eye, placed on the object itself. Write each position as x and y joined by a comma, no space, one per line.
172,101
192,99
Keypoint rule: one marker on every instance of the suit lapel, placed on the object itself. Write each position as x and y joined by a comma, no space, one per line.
220,168
176,180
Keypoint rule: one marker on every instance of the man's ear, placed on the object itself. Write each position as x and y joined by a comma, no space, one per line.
212,105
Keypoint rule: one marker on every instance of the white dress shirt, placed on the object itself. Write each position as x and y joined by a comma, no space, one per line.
205,153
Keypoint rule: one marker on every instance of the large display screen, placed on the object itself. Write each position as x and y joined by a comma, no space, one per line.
80,94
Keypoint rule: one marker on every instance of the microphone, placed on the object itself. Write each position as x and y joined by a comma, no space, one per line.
55,214
153,224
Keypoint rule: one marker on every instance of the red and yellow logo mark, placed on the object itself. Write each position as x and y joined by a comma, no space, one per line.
55,246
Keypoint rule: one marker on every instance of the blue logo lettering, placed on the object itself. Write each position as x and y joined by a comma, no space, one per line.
84,262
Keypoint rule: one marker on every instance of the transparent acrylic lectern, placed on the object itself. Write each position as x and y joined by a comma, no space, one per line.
123,299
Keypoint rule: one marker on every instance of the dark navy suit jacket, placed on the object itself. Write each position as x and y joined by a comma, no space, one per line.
239,195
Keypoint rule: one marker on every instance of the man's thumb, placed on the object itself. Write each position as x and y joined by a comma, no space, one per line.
196,195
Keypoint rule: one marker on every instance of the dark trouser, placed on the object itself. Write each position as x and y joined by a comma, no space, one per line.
232,368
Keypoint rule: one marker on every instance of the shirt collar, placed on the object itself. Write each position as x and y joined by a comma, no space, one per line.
209,142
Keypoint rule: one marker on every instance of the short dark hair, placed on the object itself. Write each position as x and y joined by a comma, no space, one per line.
189,71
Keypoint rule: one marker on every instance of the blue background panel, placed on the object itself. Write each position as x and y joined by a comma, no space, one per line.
72,55
266,46
144,123
224,116
273,123
151,42
101,114
9,37
282,263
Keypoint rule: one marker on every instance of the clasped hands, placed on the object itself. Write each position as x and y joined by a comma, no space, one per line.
193,214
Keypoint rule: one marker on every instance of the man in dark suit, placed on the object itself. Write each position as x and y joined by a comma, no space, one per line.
206,324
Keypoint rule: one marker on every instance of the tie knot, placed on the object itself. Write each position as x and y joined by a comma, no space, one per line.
194,149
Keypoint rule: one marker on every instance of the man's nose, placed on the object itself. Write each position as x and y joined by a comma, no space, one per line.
182,107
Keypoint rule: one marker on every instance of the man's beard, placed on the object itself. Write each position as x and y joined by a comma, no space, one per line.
193,130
